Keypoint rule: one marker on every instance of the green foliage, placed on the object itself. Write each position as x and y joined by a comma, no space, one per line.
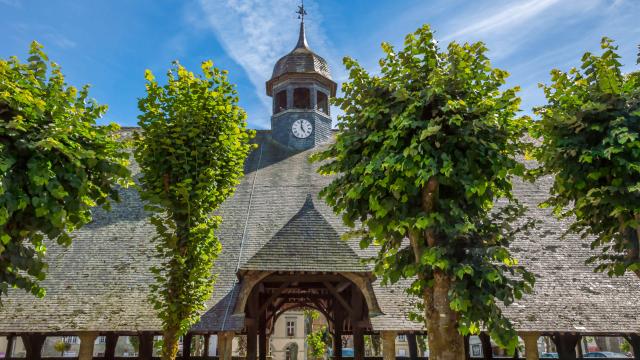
61,346
55,165
589,141
316,342
433,115
191,152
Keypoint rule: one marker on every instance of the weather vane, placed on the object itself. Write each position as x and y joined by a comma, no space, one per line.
301,11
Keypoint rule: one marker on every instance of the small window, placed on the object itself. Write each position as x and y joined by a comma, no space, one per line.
323,102
402,338
301,98
281,102
71,340
291,328
402,352
101,340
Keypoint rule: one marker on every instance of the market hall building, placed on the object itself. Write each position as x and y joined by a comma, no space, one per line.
281,250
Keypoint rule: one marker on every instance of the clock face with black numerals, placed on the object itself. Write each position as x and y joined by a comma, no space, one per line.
301,128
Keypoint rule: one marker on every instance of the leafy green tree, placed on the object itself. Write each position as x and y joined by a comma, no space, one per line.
55,165
61,346
191,151
423,152
589,132
316,343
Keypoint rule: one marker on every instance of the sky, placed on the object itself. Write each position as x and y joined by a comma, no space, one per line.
110,43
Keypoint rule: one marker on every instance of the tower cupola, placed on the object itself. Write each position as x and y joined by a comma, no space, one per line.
301,87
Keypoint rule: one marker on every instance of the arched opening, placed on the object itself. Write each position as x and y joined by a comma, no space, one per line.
280,102
302,98
291,352
323,102
340,301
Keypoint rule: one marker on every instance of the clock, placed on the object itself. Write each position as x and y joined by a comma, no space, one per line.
301,128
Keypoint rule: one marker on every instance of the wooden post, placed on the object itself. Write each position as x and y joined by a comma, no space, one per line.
225,345
413,346
356,316
487,351
634,340
251,324
337,333
9,351
33,345
110,346
207,338
388,344
566,345
87,339
146,346
531,345
186,346
467,351
262,335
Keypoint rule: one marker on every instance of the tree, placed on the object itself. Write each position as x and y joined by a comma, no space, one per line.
61,346
56,164
423,152
589,132
191,151
316,342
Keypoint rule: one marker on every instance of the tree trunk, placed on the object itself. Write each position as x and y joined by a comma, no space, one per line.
445,343
170,343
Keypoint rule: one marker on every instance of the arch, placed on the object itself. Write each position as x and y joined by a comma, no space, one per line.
322,102
302,98
280,103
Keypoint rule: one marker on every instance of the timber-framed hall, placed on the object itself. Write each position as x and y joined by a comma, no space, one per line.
282,250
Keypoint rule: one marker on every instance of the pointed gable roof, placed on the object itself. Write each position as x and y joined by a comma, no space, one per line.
307,242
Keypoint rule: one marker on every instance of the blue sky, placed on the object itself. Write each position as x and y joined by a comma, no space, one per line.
109,43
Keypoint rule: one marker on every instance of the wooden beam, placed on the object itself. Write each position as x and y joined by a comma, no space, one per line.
338,297
271,298
304,278
33,345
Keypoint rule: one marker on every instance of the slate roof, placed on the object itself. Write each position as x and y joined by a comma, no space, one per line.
304,244
101,281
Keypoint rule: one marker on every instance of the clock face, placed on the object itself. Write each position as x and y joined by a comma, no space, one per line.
301,128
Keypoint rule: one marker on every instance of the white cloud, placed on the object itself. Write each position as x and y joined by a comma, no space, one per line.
256,33
511,16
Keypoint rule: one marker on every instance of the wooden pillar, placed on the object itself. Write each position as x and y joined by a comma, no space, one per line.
110,346
33,345
262,335
487,351
566,345
634,340
9,351
146,346
338,317
467,352
207,338
87,339
388,345
531,345
251,324
186,346
413,346
356,317
225,345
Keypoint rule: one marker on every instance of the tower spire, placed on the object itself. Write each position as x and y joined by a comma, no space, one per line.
302,38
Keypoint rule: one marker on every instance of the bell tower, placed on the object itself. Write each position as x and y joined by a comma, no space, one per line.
301,87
